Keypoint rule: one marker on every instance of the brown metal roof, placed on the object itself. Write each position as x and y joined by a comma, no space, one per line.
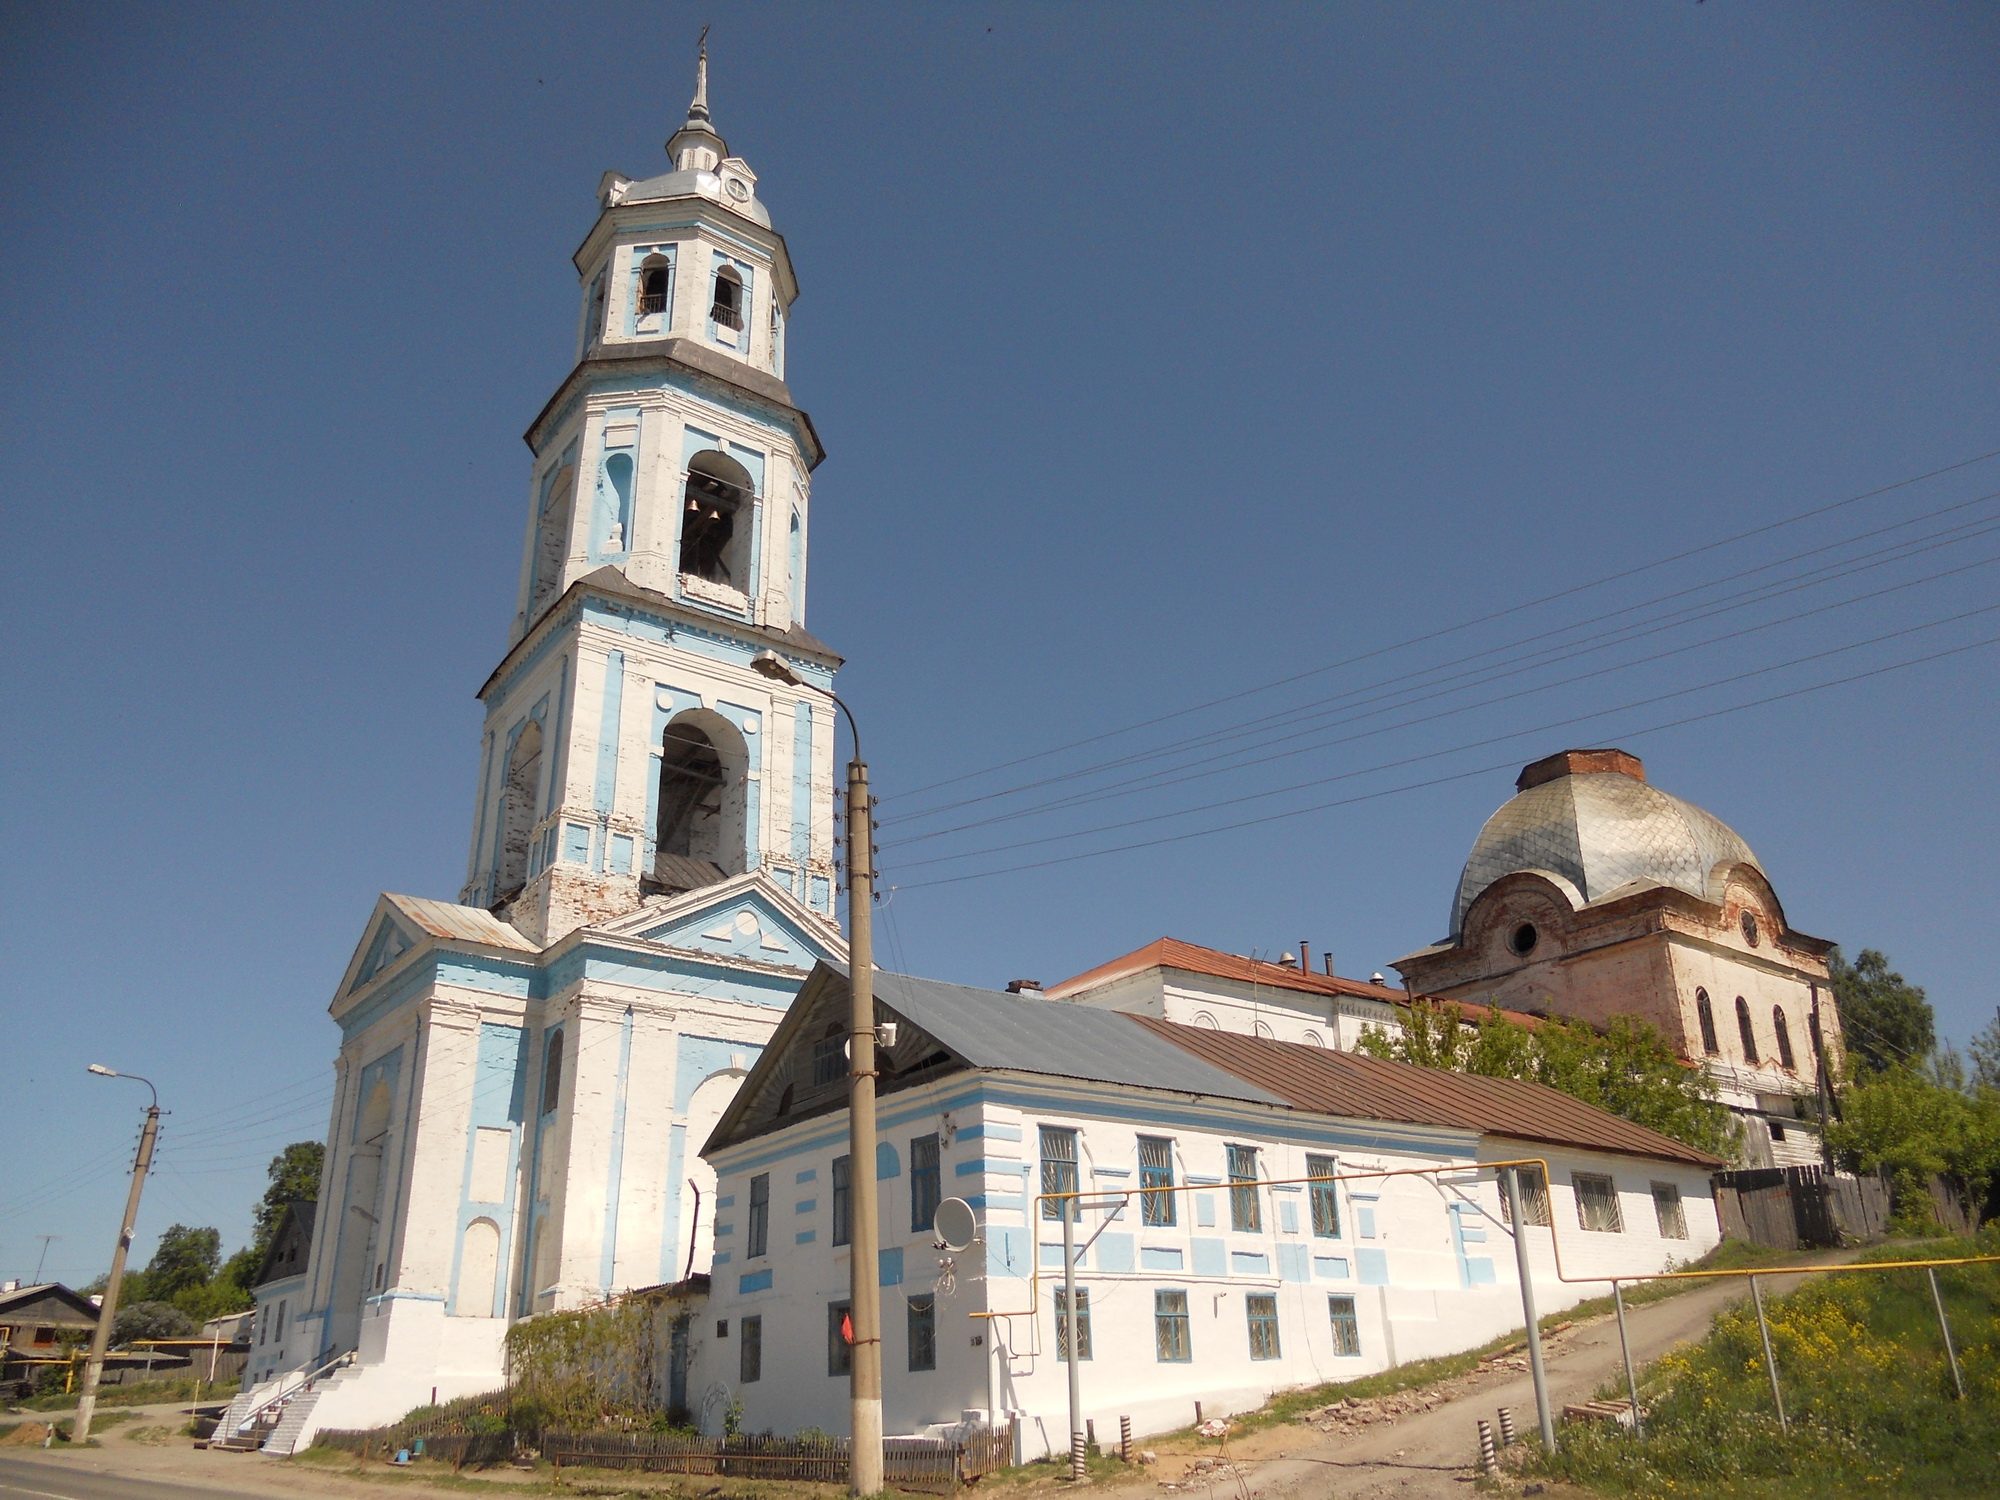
1172,953
1343,1083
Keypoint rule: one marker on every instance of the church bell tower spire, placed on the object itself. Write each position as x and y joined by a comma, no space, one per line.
630,751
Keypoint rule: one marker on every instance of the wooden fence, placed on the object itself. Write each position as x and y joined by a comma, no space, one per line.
1801,1208
928,1465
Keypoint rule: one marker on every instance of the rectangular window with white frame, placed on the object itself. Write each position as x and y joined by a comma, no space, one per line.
1597,1203
1667,1209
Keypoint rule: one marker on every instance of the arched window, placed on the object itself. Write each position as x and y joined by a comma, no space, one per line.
727,308
552,1072
1312,1039
713,545
1785,1058
691,783
1705,1014
518,807
654,279
1205,1021
1748,1033
552,541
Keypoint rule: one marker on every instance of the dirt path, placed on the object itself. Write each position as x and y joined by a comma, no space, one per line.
1431,1452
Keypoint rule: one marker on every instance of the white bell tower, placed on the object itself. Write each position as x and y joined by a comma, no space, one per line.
629,749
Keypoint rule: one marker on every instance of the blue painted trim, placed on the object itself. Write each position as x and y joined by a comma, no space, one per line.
753,1281
989,1131
607,731
608,1256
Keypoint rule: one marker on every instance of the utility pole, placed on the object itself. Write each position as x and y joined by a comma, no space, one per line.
864,1294
86,1406
1512,1181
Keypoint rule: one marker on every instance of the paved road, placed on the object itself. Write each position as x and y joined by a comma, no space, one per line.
54,1481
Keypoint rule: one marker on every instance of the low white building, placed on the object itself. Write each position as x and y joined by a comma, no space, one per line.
1235,1277
279,1334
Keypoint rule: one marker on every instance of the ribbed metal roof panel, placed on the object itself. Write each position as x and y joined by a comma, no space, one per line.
466,923
992,1030
1342,1083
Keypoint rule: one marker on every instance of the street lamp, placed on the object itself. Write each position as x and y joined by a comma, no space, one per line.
864,1282
86,1405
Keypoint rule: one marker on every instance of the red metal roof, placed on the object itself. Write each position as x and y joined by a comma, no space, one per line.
1370,1088
1172,953
1192,958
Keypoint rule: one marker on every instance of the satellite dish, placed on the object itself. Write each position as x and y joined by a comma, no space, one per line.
955,1226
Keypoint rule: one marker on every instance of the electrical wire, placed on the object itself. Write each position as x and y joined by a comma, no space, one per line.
1581,588
1459,776
1677,597
1232,760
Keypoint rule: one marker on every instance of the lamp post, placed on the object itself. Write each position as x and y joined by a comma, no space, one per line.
86,1406
864,1475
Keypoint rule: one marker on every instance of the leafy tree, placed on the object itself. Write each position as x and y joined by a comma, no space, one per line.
294,1174
150,1320
1985,1049
1886,1019
1628,1070
185,1260
1904,1123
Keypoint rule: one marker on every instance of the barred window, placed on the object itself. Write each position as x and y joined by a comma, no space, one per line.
750,1353
1534,1198
926,1183
843,1200
1667,1208
1261,1308
1171,1343
1246,1211
1058,1168
1325,1197
1597,1203
1082,1322
1346,1331
758,1230
1156,1170
922,1323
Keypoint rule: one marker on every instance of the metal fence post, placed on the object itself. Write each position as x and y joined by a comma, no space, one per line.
1489,1462
1770,1361
1513,1177
1944,1327
1625,1346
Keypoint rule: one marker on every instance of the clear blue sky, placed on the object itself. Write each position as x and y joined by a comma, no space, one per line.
1160,353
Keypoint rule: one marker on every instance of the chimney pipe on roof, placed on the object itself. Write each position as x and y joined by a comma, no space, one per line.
1305,958
1328,956
1029,987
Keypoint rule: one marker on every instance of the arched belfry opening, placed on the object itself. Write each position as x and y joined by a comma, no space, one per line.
715,520
518,806
551,542
700,834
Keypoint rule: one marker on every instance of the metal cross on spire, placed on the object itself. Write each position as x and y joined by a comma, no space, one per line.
699,109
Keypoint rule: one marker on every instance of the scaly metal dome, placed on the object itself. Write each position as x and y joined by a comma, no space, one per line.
1588,817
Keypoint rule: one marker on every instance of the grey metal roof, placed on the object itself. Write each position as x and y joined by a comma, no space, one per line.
992,1030
1599,831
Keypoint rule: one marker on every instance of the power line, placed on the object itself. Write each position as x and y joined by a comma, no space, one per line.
1404,681
1453,629
1436,781
1166,776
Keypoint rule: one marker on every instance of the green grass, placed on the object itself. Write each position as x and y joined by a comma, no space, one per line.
1286,1405
148,1393
1866,1387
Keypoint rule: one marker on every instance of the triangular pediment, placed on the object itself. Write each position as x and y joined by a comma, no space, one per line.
747,916
401,924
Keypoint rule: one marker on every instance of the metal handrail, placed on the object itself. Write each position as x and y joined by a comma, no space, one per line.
286,1393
